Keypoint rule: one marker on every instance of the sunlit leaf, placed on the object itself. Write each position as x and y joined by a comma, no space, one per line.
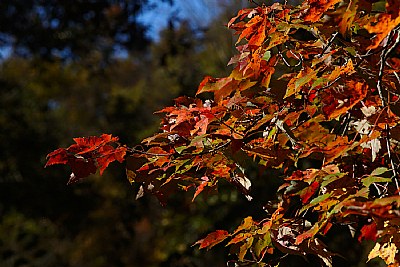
317,8
386,251
212,239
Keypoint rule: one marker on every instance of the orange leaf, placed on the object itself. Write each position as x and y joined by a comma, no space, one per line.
337,103
239,238
317,8
348,18
201,187
383,25
296,83
222,87
259,37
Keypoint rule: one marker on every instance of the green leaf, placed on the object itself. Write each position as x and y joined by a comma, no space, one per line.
246,224
261,243
318,82
379,6
351,50
331,178
320,198
180,149
296,83
182,166
379,171
374,179
267,55
244,248
315,201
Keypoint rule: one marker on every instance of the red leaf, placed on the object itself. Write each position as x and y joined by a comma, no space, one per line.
306,235
368,232
308,192
212,239
59,156
87,144
108,155
201,187
336,104
87,154
201,126
241,14
81,168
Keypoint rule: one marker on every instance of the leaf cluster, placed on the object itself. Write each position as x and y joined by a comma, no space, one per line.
318,81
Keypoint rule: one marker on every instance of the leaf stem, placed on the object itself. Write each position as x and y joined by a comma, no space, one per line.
133,150
394,177
329,43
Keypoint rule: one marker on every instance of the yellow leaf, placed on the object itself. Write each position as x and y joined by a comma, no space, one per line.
348,18
387,252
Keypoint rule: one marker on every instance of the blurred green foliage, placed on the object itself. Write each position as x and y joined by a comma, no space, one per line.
45,101
72,29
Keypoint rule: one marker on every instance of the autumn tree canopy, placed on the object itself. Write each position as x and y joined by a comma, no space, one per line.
314,83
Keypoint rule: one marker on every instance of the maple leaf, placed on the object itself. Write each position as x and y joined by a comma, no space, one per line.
212,239
221,87
254,31
80,168
87,155
246,224
259,37
383,24
109,154
201,187
337,103
289,98
316,8
241,14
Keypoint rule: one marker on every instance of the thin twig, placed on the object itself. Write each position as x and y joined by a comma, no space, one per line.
133,150
230,127
329,43
254,2
386,51
394,177
216,148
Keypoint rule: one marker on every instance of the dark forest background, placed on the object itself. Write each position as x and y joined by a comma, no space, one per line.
80,68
